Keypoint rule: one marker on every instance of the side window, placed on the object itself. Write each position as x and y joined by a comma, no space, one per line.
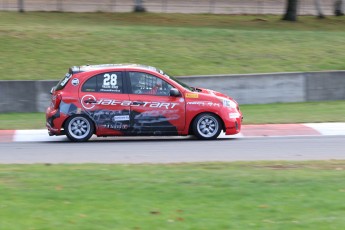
90,85
110,82
144,83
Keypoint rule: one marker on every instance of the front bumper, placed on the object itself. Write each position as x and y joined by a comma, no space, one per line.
233,123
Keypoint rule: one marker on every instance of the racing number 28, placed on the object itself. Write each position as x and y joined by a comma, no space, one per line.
110,79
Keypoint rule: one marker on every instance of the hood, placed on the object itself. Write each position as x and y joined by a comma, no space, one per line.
215,93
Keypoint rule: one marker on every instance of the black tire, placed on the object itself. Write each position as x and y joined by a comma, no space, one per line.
207,126
79,128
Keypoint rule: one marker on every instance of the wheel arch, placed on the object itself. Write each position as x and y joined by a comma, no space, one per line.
84,115
190,128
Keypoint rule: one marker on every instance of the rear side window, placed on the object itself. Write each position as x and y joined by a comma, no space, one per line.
90,85
63,82
110,82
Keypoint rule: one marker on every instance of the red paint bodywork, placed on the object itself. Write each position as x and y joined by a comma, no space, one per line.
179,111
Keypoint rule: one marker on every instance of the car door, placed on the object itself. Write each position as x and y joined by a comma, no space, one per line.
104,99
153,110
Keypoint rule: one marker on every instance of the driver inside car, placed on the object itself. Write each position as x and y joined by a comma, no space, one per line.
156,87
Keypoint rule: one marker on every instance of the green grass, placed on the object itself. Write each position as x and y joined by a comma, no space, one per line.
12,121
326,111
265,195
43,45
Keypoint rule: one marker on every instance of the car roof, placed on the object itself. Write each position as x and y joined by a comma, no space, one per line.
87,68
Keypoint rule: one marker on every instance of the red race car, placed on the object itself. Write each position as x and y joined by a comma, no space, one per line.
135,100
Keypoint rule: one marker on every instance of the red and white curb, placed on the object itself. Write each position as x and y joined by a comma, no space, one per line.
267,130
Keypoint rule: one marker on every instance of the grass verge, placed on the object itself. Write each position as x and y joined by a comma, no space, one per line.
327,111
259,195
13,121
284,113
42,45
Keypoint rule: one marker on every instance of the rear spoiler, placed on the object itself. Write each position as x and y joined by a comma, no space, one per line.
79,69
74,70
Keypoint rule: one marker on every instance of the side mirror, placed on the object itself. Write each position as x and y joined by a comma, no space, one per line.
174,92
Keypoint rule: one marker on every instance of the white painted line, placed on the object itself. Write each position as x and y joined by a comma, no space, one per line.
239,135
37,135
34,135
329,129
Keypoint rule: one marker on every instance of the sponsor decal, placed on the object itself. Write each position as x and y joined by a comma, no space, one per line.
166,105
86,101
116,126
75,81
181,100
89,102
234,115
192,95
67,77
121,118
110,81
111,119
110,90
64,81
204,103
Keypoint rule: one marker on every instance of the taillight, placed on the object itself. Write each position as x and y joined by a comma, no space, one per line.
56,100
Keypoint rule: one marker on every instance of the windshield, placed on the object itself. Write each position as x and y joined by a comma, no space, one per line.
178,81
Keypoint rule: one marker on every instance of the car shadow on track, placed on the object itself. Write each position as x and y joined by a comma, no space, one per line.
139,139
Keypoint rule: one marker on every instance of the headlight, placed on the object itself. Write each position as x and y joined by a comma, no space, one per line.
228,103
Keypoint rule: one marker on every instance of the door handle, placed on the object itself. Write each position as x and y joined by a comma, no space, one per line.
138,103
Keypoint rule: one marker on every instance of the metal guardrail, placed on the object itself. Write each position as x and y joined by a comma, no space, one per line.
306,7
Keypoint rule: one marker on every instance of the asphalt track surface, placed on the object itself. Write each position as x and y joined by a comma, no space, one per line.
174,150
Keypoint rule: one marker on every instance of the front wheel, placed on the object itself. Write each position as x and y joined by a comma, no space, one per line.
79,128
207,126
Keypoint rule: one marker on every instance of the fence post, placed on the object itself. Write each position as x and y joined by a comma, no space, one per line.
21,6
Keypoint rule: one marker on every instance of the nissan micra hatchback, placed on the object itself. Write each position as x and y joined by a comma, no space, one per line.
135,100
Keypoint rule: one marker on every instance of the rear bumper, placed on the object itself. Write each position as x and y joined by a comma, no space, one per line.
53,131
53,122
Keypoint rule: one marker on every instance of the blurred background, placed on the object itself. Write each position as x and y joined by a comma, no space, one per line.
188,39
305,7
281,71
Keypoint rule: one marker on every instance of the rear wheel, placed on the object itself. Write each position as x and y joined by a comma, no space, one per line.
79,128
207,126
